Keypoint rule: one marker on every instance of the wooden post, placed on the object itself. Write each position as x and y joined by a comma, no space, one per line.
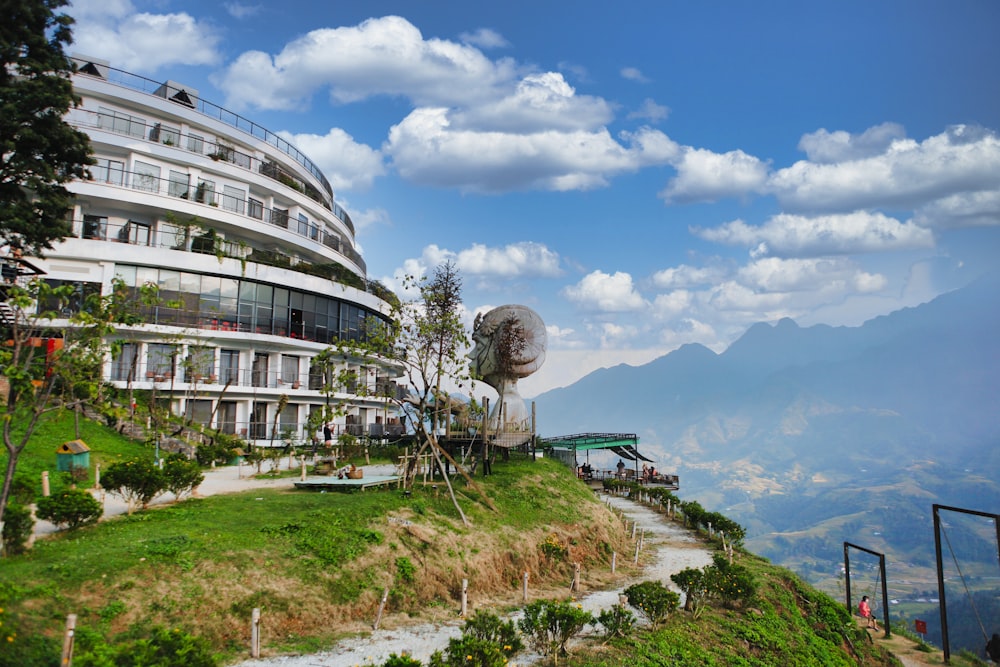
634,524
636,553
642,537
67,649
576,577
97,475
614,561
45,483
465,597
255,633
303,475
524,586
381,608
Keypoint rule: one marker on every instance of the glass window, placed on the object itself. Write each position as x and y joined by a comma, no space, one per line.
160,361
178,186
205,192
288,421
229,367
168,135
255,209
108,171
233,199
95,227
123,365
136,233
122,123
200,364
196,144
289,369
226,417
200,411
146,177
126,273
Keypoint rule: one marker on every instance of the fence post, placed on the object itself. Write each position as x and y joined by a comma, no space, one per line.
636,553
255,633
524,586
45,483
97,475
614,561
634,524
576,577
67,649
465,597
303,475
381,608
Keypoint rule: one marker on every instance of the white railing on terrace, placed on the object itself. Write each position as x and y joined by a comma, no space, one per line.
200,194
116,124
142,84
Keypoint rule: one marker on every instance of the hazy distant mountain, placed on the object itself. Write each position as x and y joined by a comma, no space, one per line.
811,436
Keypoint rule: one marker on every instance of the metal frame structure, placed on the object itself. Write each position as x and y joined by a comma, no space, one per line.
885,586
945,644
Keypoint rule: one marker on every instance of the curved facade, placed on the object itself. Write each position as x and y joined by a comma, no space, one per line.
254,261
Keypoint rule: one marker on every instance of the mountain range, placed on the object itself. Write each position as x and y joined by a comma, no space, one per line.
812,436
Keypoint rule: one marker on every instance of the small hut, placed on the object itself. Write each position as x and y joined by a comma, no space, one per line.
72,455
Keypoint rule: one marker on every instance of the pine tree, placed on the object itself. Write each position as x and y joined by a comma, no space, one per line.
41,152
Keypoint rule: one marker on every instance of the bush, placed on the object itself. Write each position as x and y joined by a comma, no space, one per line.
486,641
692,583
181,475
70,508
731,583
159,647
17,527
654,600
549,625
617,622
137,482
401,661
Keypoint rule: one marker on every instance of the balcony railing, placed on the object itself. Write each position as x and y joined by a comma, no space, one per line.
83,118
142,84
249,208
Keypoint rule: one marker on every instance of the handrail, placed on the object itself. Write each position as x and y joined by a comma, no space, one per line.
142,84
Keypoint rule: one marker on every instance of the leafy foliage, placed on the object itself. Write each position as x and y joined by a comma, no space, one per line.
616,621
159,647
138,482
71,508
654,600
17,527
693,583
486,641
550,624
181,475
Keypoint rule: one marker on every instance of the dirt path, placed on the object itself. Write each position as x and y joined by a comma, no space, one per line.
667,547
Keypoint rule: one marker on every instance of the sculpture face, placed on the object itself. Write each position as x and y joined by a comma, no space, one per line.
486,357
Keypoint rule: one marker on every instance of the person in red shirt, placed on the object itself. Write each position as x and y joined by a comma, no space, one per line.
865,610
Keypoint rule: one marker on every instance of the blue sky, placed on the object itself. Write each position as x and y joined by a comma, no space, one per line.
642,174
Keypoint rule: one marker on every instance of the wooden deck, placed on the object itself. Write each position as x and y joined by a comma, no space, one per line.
348,485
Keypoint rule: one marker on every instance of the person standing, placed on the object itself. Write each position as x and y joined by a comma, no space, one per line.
621,469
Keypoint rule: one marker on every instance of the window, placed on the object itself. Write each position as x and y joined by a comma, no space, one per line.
124,362
201,364
167,135
178,186
200,411
136,233
290,369
108,171
303,225
122,123
95,227
279,217
146,177
255,209
229,367
288,421
233,199
196,144
226,417
160,361
205,192
259,372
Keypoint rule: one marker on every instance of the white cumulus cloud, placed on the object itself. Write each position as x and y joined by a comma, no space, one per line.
347,164
829,147
612,293
703,175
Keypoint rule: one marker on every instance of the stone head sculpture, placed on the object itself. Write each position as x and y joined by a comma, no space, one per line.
509,344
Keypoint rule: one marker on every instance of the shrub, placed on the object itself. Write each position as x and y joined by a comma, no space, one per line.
70,508
181,475
549,625
731,583
17,527
137,482
692,583
654,600
401,661
554,549
159,647
617,622
486,641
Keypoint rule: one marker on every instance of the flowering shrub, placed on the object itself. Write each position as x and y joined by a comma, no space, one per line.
486,641
554,549
549,625
654,600
729,582
693,583
616,621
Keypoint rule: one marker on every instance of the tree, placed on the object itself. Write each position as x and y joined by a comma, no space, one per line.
41,152
71,508
424,338
138,482
47,367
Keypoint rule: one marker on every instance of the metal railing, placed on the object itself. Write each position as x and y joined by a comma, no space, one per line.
142,84
250,208
157,133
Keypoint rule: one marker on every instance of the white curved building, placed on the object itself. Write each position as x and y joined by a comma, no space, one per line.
255,261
